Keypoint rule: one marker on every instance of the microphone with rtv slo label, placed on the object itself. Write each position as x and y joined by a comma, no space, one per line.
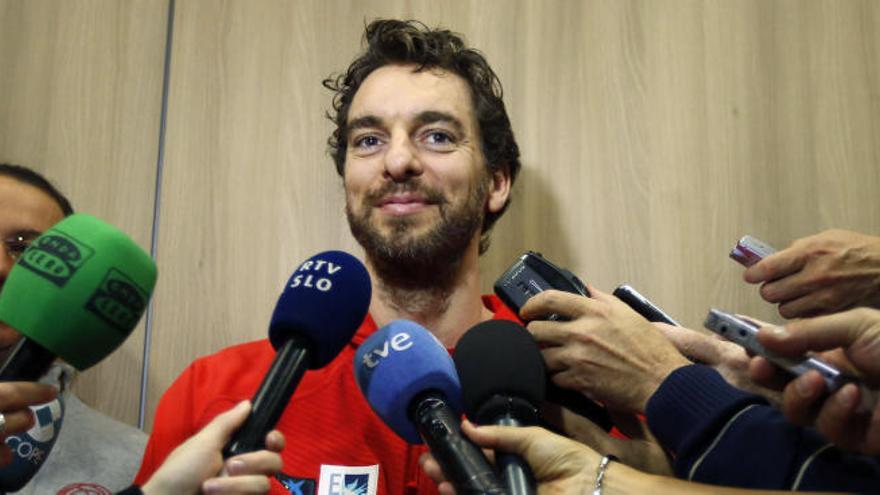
409,380
503,383
76,293
317,314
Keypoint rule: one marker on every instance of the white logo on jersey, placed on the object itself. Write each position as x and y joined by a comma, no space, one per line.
348,480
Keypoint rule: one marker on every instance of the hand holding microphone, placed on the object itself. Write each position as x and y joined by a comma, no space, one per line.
76,293
16,416
503,383
318,313
192,467
409,380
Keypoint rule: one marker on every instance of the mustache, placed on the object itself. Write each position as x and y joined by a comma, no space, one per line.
431,195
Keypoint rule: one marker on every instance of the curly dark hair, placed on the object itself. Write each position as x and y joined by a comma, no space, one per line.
390,41
33,178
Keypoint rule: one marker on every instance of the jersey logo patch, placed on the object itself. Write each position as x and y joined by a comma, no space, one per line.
348,480
296,486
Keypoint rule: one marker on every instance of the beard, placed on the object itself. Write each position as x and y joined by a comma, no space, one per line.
411,261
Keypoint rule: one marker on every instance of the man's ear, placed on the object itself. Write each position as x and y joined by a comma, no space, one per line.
499,189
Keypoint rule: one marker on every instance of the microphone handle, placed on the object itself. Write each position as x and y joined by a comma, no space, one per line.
460,459
290,363
27,362
515,472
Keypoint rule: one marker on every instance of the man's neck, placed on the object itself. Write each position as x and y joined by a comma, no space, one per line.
447,313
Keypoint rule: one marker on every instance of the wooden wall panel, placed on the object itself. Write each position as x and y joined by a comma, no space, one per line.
80,100
654,134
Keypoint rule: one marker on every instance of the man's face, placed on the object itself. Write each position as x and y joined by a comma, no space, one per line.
416,184
24,211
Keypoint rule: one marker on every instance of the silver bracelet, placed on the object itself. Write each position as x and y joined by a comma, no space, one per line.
600,473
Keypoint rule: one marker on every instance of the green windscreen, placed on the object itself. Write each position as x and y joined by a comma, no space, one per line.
79,289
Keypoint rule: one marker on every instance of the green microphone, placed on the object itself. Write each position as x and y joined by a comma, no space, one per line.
76,293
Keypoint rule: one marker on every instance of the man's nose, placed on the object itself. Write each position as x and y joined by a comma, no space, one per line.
402,160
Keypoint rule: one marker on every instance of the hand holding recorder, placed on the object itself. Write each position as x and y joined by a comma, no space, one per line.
850,416
605,350
821,274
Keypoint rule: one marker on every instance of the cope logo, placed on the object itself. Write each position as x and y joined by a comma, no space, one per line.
32,447
315,274
118,301
56,257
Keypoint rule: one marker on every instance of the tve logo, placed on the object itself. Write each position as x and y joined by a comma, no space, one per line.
398,342
348,480
313,275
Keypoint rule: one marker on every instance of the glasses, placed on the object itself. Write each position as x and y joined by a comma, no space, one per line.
15,245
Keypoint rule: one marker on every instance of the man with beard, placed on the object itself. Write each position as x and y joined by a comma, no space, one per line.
427,156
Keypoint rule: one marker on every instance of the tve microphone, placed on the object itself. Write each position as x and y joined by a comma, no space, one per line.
77,293
31,449
502,382
410,382
318,313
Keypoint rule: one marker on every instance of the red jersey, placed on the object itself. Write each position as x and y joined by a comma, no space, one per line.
335,443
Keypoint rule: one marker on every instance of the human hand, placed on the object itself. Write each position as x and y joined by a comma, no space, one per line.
852,343
193,466
821,274
560,465
606,350
15,401
640,450
727,358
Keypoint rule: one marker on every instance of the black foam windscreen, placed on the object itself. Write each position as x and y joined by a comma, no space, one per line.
499,357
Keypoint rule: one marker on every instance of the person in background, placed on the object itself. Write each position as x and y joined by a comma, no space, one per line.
92,451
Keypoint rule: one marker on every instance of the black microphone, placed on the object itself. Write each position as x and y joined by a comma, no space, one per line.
503,383
410,382
317,314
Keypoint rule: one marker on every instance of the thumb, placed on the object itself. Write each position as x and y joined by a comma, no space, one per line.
221,428
694,345
813,334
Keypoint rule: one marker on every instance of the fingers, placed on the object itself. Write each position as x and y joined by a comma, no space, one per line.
275,441
503,438
254,484
776,265
431,468
814,334
767,374
693,344
557,302
259,462
872,437
19,395
220,429
801,397
18,421
837,418
787,288
554,332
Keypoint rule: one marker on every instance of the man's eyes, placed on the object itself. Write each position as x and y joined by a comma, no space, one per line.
439,137
367,141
